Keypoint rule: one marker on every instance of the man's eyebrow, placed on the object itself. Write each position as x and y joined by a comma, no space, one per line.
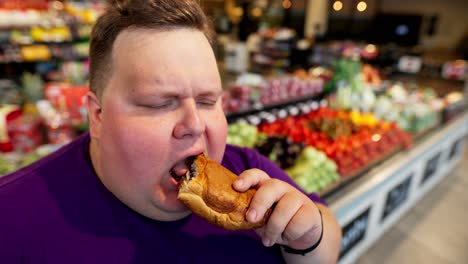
166,94
216,93
157,93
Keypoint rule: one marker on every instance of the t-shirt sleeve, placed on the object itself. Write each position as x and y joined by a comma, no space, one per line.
274,171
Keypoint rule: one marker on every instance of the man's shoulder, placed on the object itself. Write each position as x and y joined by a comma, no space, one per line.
32,198
233,151
29,180
250,157
60,159
238,159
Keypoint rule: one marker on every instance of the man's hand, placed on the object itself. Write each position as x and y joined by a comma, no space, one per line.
295,220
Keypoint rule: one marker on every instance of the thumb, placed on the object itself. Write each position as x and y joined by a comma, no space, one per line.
252,178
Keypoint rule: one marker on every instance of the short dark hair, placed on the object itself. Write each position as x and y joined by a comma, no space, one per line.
147,14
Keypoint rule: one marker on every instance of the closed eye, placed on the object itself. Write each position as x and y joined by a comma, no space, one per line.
163,105
206,102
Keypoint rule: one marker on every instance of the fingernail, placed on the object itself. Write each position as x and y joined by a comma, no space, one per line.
252,214
240,183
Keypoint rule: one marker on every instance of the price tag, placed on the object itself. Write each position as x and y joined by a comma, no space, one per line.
396,197
455,149
431,167
254,120
271,118
314,105
305,108
456,70
354,232
410,64
282,113
293,110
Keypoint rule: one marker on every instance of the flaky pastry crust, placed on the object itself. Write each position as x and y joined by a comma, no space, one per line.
210,195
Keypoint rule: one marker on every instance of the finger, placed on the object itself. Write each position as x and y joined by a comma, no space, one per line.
269,193
260,231
302,231
249,178
284,211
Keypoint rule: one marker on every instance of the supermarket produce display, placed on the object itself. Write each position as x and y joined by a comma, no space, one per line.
345,143
313,170
255,92
334,127
357,119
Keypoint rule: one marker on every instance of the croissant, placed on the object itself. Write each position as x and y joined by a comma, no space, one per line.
207,190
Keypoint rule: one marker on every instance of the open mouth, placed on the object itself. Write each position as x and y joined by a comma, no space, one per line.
185,170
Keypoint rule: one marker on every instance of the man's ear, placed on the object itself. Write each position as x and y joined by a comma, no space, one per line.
93,106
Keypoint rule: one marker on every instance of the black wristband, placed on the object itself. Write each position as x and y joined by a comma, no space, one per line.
303,252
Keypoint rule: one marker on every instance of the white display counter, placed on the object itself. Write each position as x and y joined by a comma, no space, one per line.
370,205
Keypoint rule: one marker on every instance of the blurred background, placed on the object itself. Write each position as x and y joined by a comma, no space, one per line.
361,101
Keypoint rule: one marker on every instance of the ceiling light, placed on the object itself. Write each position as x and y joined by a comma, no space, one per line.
337,6
287,4
362,6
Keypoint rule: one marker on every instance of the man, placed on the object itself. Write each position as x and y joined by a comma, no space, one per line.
111,195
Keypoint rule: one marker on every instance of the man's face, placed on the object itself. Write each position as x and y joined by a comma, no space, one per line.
162,105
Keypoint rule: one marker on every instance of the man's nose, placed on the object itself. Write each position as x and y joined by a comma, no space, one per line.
190,122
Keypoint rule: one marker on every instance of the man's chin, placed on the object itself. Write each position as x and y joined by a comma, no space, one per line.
176,215
172,211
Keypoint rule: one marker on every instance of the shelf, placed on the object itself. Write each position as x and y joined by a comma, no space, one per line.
47,43
232,117
39,61
273,54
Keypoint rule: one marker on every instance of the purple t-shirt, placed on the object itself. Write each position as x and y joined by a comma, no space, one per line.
58,211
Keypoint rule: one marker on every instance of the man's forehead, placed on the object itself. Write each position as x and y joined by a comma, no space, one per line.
139,37
135,64
133,38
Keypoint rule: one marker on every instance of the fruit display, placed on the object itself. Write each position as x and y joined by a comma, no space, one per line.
360,98
309,167
322,148
280,149
353,140
414,111
268,91
243,135
237,98
346,73
359,87
313,171
286,88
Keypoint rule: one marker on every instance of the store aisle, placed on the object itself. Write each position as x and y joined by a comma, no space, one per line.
435,231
